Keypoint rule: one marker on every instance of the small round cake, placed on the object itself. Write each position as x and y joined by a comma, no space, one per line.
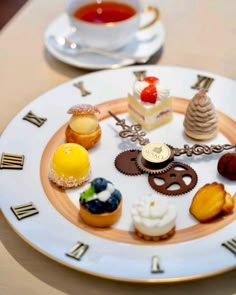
154,218
83,127
70,166
100,203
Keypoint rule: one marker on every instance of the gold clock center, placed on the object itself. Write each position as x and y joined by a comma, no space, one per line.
156,152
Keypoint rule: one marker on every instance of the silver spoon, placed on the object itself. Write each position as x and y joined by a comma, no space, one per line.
70,47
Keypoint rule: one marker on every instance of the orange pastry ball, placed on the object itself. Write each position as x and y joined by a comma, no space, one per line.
83,127
70,166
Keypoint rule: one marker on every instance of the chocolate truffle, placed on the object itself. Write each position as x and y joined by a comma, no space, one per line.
227,166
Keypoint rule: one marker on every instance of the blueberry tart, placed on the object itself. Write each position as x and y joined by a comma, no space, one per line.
100,203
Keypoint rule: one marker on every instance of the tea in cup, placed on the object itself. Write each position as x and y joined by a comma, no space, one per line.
106,24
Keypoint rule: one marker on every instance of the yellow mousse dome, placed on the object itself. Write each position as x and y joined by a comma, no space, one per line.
70,165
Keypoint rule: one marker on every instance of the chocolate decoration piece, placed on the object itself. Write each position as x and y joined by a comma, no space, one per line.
32,118
230,245
134,131
80,86
12,161
78,250
174,176
203,82
140,75
155,158
157,153
156,265
136,134
24,211
199,149
125,162
153,168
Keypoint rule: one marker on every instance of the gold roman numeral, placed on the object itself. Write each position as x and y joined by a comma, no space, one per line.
32,118
156,265
24,211
80,86
203,82
77,251
140,75
10,161
230,245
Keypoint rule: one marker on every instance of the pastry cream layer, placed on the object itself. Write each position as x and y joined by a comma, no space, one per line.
150,116
83,124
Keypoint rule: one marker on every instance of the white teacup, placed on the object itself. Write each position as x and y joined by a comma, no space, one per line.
110,35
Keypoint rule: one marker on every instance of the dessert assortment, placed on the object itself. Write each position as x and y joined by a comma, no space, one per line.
150,104
153,216
100,203
83,127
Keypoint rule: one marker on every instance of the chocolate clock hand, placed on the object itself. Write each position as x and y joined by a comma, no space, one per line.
136,133
199,149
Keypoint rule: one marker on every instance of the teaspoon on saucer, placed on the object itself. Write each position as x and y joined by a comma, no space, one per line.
72,48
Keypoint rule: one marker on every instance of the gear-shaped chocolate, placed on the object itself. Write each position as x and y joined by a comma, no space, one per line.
125,162
151,170
174,176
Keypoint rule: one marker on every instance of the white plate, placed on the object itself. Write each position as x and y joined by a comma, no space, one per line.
54,233
146,43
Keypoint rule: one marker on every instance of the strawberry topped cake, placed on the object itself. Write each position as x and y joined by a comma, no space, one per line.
150,104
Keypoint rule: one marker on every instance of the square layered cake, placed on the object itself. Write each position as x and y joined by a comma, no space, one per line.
150,104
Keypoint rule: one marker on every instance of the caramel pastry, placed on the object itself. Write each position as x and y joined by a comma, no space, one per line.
83,127
210,201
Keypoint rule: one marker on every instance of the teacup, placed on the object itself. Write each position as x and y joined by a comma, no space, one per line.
106,24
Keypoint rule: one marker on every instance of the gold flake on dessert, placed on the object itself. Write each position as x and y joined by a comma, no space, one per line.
201,121
150,103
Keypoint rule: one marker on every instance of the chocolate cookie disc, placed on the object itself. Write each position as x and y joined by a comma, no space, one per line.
125,162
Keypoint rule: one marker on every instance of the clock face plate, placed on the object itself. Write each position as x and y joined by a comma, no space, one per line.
47,218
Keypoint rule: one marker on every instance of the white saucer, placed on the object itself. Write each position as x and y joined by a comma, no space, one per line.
146,43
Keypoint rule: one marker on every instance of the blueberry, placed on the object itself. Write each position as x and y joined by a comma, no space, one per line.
95,206
116,194
100,184
111,204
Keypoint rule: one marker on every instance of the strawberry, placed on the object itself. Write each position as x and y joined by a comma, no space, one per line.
149,94
151,80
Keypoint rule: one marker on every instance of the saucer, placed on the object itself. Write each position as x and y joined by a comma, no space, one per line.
146,43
